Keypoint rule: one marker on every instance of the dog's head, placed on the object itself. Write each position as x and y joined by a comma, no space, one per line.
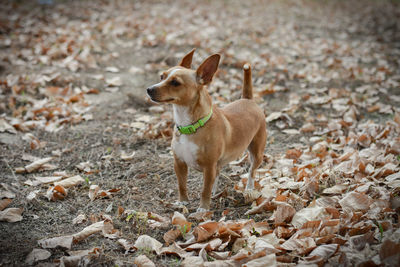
180,84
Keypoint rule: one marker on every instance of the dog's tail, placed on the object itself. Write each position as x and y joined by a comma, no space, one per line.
247,82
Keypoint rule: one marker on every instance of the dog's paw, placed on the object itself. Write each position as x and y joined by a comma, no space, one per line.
180,203
250,184
201,209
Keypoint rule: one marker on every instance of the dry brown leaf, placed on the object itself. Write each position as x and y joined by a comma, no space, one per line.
71,181
356,201
148,243
312,213
55,193
171,236
284,213
307,128
322,253
89,230
11,215
266,261
174,249
44,180
205,230
76,257
201,216
81,218
62,241
6,193
180,220
143,261
128,245
300,246
34,166
193,261
390,253
36,255
4,203
93,191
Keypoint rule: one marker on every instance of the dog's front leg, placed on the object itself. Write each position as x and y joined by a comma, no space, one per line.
209,174
181,171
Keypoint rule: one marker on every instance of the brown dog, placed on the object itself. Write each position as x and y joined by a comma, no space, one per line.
207,137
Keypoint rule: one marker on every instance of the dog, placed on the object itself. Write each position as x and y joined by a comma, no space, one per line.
207,137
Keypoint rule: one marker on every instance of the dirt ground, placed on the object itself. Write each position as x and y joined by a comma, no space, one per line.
284,40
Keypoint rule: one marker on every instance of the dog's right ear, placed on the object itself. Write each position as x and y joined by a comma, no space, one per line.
207,69
186,61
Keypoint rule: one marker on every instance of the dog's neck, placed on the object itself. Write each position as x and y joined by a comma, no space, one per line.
199,108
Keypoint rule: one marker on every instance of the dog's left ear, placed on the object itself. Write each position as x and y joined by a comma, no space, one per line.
207,69
186,61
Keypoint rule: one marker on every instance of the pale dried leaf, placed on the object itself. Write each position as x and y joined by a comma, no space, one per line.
62,241
89,230
71,181
36,165
356,201
128,245
81,218
125,156
308,214
174,249
143,261
11,215
148,243
36,255
300,246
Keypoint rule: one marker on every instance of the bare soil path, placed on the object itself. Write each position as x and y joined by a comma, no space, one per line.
72,86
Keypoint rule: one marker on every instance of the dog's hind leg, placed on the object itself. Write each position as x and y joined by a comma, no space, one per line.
256,150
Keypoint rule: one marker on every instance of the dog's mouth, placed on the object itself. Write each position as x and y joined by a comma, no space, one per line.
168,100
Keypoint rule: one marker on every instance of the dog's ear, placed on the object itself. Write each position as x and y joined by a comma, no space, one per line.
207,69
186,61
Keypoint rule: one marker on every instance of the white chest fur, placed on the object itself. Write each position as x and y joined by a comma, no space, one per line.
185,150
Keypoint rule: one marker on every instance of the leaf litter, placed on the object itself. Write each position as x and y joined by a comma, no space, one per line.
328,195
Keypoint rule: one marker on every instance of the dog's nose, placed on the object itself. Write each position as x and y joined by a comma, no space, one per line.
150,90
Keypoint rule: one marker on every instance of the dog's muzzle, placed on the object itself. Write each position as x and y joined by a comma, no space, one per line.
151,91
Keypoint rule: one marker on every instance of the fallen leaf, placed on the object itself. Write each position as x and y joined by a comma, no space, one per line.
390,253
81,218
11,215
174,249
62,241
125,156
143,261
70,182
4,203
180,220
171,236
87,231
205,230
308,214
356,201
36,255
301,246
284,213
34,166
55,193
148,243
128,245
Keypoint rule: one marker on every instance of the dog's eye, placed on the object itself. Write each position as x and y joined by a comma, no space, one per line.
174,83
162,76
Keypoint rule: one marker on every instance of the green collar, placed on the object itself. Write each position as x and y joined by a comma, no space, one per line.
191,129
